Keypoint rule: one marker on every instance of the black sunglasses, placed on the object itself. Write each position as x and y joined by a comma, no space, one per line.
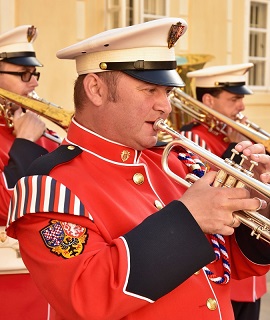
25,75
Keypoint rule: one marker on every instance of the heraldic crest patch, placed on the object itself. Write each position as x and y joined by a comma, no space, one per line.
64,239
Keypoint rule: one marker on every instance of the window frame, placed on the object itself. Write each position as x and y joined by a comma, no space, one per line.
265,59
138,13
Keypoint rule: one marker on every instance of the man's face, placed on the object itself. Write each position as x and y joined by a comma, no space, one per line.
228,104
14,83
129,120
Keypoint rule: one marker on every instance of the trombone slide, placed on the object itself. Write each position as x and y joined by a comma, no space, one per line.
215,120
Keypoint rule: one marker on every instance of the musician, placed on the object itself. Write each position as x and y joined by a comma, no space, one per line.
223,89
19,146
112,240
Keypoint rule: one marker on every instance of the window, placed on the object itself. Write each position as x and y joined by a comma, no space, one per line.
122,13
259,42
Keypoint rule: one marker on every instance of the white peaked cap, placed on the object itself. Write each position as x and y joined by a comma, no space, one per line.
144,51
16,46
231,78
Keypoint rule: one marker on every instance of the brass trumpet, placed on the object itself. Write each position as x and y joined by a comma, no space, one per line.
230,175
57,115
215,121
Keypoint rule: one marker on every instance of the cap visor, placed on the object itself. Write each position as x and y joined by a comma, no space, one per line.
24,61
169,78
238,90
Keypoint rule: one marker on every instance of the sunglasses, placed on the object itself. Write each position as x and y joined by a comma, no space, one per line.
25,75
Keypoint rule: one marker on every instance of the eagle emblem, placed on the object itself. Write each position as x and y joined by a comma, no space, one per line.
64,239
175,33
31,32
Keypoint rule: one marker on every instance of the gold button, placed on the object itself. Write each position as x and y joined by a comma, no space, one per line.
211,304
158,204
71,147
197,273
103,65
138,178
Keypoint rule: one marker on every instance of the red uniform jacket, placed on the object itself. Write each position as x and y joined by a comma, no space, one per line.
20,298
104,237
252,288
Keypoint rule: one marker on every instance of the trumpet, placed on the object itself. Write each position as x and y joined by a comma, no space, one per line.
49,111
215,121
229,175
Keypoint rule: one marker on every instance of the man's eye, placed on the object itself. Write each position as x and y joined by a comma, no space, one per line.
150,90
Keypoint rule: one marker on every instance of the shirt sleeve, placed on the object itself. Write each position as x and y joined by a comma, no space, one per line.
22,153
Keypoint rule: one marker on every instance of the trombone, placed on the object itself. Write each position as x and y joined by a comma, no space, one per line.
49,111
229,175
216,121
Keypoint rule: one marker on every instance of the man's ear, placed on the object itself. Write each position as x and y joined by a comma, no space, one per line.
94,88
208,100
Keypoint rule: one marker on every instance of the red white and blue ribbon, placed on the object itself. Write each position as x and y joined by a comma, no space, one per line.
218,244
197,167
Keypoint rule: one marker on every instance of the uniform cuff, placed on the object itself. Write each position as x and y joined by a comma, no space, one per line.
165,250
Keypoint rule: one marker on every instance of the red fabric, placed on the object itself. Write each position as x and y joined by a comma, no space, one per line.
91,285
249,290
6,141
20,298
215,143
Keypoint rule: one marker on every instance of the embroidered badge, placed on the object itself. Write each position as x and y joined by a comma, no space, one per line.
31,32
175,33
125,155
64,239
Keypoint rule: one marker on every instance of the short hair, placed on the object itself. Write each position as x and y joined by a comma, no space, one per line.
109,77
215,92
79,95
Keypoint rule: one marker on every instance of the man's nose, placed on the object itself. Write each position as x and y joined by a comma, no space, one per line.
241,105
163,104
34,81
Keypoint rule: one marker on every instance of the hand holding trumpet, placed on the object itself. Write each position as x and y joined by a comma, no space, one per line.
257,152
28,125
216,213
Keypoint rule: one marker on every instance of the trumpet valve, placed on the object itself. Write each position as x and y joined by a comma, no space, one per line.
253,164
220,178
249,171
234,152
230,182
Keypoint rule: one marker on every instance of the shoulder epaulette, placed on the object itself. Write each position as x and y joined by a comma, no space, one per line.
44,164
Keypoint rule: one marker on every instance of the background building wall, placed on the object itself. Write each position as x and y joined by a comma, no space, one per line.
216,27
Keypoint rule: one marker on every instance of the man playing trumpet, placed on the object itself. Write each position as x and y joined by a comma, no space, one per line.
223,88
115,237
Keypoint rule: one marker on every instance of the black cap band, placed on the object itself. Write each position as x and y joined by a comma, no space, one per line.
230,84
138,65
8,55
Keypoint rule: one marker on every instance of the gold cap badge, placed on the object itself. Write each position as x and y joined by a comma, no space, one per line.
31,32
175,33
